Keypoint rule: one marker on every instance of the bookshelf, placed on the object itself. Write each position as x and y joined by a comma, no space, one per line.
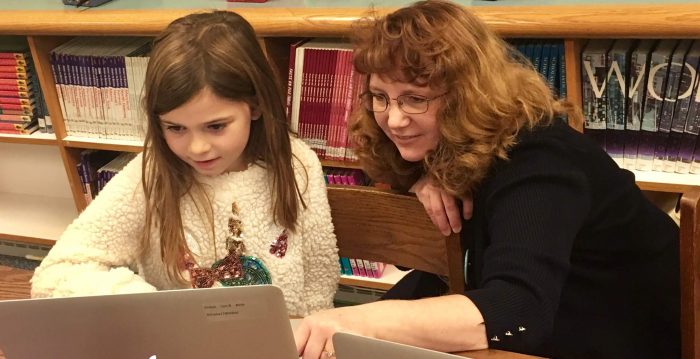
47,24
36,204
390,276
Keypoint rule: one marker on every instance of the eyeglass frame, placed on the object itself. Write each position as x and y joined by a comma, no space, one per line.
400,103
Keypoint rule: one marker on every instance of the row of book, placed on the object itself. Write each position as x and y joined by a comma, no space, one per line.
22,107
343,176
96,168
361,267
99,81
547,57
322,91
641,102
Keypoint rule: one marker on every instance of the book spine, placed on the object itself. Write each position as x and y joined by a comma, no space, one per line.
656,88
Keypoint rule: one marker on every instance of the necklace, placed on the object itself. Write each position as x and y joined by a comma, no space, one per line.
236,268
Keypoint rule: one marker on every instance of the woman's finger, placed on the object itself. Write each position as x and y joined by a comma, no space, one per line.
315,345
438,215
467,207
452,212
301,336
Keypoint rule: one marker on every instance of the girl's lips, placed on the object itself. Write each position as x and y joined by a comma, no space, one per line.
206,164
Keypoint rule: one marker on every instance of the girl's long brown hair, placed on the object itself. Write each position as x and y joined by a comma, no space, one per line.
491,94
218,51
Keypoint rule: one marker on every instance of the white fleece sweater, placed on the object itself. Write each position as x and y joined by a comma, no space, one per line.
97,254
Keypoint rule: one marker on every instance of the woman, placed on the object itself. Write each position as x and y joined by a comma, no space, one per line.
565,257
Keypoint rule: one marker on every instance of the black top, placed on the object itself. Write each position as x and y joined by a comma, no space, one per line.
567,257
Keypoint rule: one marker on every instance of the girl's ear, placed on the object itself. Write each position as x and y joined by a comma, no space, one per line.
255,114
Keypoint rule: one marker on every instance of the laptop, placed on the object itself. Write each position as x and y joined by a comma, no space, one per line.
230,322
350,346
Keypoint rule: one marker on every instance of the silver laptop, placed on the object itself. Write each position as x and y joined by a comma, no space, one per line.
350,346
232,322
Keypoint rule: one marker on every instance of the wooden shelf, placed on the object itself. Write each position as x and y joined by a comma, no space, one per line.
287,18
35,219
389,278
341,164
36,138
103,144
666,181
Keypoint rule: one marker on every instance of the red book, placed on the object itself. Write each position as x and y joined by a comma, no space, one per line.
9,126
16,118
13,81
13,87
13,69
15,107
15,112
12,62
14,55
16,101
13,75
20,94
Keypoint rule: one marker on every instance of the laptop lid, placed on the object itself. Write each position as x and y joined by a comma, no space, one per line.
349,346
231,322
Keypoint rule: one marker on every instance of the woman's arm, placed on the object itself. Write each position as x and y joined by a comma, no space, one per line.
449,323
441,207
95,253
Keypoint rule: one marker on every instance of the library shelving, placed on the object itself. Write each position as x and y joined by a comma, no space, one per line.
48,23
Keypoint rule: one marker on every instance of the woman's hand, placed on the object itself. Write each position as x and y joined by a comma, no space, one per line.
441,207
314,336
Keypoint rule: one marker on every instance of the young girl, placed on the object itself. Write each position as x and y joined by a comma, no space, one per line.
222,195
564,257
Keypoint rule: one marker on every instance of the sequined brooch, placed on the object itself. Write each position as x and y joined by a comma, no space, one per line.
236,268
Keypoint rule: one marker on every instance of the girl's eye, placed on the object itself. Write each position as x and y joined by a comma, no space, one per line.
174,129
217,126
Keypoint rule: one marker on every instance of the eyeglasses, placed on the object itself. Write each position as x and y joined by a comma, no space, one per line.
409,104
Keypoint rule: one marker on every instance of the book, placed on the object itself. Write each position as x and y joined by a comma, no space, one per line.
16,125
619,59
656,91
290,75
636,93
675,69
594,75
25,131
686,98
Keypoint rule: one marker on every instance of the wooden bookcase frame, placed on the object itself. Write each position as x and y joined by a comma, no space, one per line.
278,27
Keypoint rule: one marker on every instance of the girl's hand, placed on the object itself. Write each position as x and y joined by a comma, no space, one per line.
441,207
314,336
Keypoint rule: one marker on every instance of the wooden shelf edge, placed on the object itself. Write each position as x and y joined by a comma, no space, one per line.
77,142
666,181
28,140
27,240
563,21
341,164
666,187
363,282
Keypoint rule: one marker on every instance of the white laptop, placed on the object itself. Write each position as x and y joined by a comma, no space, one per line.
231,322
350,346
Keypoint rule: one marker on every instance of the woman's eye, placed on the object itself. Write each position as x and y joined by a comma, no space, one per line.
413,100
378,97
